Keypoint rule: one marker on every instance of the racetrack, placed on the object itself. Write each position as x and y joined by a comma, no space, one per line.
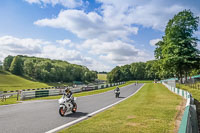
42,116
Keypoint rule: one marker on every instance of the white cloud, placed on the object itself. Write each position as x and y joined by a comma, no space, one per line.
116,52
88,25
154,14
154,41
65,42
65,3
12,45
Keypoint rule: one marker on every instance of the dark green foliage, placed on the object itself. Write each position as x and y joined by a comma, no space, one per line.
138,70
115,75
50,70
1,68
134,71
177,52
16,66
7,62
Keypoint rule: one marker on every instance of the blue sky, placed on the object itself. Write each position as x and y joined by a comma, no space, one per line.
98,34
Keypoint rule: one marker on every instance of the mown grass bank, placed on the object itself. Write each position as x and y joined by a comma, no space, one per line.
10,82
195,92
102,76
151,110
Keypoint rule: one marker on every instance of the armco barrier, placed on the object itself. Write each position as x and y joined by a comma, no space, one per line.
189,122
53,92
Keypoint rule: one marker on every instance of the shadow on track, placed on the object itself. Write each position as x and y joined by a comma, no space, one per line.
76,115
122,97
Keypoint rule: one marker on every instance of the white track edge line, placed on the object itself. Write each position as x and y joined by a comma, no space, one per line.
89,115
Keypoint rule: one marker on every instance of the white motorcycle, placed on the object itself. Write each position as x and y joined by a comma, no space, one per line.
66,105
117,93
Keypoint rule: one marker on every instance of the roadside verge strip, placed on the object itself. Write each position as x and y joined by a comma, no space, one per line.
189,118
89,115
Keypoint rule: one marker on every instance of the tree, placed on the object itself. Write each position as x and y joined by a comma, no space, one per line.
16,66
7,62
177,51
126,73
115,75
138,70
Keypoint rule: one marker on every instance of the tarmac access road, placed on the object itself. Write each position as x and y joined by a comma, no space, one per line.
42,115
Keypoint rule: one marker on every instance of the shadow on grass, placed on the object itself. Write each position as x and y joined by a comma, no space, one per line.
4,73
76,115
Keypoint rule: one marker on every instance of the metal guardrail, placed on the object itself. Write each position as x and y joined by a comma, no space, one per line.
189,119
53,92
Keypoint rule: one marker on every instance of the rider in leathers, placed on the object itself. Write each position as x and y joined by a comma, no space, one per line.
68,94
117,89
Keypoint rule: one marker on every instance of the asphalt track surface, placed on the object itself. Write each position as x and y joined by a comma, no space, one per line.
42,116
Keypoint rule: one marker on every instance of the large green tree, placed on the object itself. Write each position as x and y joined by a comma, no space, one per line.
16,66
177,51
7,62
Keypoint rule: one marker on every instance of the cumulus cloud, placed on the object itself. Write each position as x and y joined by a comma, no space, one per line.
153,14
116,52
65,3
14,46
154,41
65,42
88,25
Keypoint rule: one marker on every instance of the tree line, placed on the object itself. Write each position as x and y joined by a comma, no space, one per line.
175,56
47,70
135,71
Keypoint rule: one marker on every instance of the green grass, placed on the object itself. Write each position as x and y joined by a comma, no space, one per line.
10,100
102,76
151,110
83,93
195,92
9,82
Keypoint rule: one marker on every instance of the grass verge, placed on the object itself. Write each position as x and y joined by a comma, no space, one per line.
195,92
11,82
10,100
151,110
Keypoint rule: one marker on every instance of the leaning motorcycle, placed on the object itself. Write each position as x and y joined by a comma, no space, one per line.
117,93
66,105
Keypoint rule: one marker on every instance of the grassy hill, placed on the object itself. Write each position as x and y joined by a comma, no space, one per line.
10,82
102,76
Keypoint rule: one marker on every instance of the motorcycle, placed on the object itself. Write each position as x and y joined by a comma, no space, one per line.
117,93
66,105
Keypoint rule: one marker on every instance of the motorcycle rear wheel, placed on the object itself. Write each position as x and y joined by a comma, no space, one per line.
75,108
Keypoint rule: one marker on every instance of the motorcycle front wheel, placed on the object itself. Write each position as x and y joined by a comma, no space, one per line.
61,111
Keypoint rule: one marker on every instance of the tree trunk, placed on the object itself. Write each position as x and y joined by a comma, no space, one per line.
181,77
186,77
